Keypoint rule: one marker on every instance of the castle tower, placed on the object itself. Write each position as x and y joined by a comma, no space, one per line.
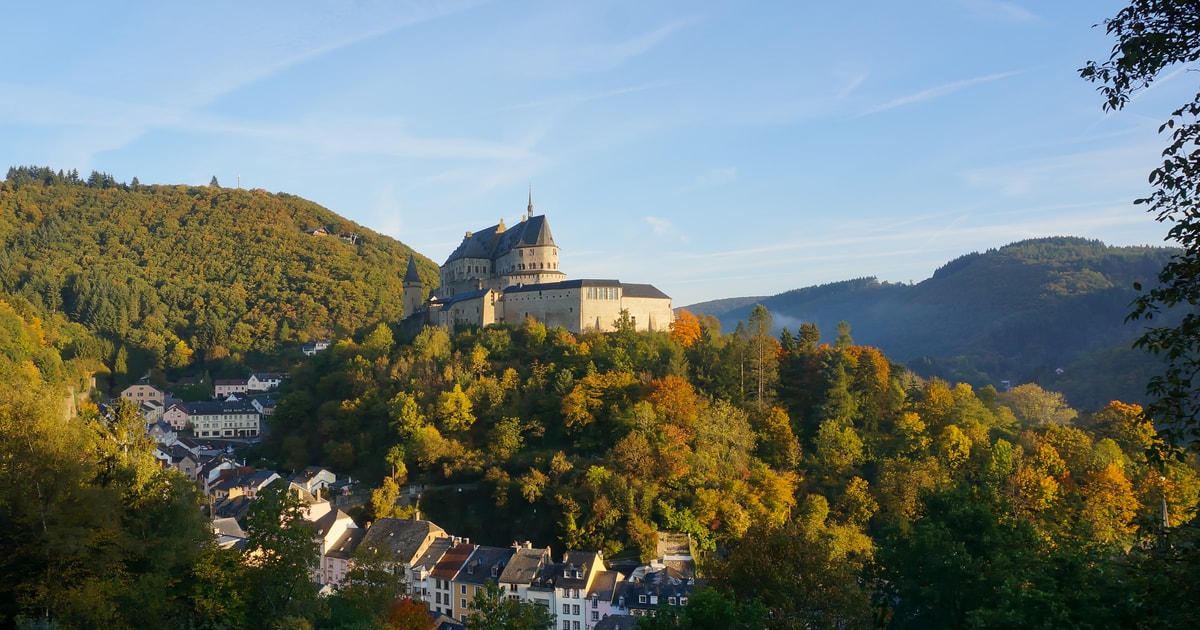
413,290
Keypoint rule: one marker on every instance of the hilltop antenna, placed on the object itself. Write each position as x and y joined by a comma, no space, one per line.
239,181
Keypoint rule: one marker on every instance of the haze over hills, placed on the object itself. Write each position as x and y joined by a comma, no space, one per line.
1050,311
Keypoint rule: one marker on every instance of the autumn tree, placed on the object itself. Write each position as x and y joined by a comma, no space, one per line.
372,593
282,555
492,610
1035,406
815,567
685,330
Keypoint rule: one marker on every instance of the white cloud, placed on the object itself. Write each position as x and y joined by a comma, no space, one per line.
712,177
662,227
936,92
574,60
999,11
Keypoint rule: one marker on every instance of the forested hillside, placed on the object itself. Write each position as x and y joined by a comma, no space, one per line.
824,481
159,273
1048,311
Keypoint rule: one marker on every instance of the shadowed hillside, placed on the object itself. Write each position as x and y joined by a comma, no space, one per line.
1050,311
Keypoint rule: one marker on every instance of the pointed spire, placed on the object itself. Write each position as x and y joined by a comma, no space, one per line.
411,274
530,210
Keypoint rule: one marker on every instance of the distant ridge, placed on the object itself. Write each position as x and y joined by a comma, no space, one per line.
1049,310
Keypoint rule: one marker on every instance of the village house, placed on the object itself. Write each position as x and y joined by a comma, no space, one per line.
463,572
571,580
224,419
601,597
265,404
421,570
314,479
161,432
244,481
223,387
142,391
329,529
443,589
649,587
265,381
402,540
313,347
518,578
339,558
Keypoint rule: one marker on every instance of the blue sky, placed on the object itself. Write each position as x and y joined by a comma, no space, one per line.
713,149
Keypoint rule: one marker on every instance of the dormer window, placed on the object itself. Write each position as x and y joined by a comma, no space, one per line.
671,601
578,574
683,601
641,599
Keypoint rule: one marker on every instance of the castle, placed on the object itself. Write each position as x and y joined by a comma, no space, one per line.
505,275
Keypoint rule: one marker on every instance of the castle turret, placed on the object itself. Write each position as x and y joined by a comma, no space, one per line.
413,289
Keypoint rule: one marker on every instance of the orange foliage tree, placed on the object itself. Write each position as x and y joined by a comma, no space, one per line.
685,330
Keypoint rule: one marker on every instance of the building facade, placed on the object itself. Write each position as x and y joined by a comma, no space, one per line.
507,275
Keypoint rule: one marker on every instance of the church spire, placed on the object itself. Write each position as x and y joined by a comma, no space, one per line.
530,210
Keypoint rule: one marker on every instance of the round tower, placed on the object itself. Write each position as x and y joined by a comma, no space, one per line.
413,289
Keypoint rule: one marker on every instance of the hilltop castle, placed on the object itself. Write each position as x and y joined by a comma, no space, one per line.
505,275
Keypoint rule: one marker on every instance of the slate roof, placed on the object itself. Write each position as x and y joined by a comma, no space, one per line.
643,291
444,622
616,622
478,567
604,586
524,566
346,545
627,289
496,241
563,284
563,574
405,538
225,526
215,408
663,583
327,521
235,508
446,303
433,554
411,275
